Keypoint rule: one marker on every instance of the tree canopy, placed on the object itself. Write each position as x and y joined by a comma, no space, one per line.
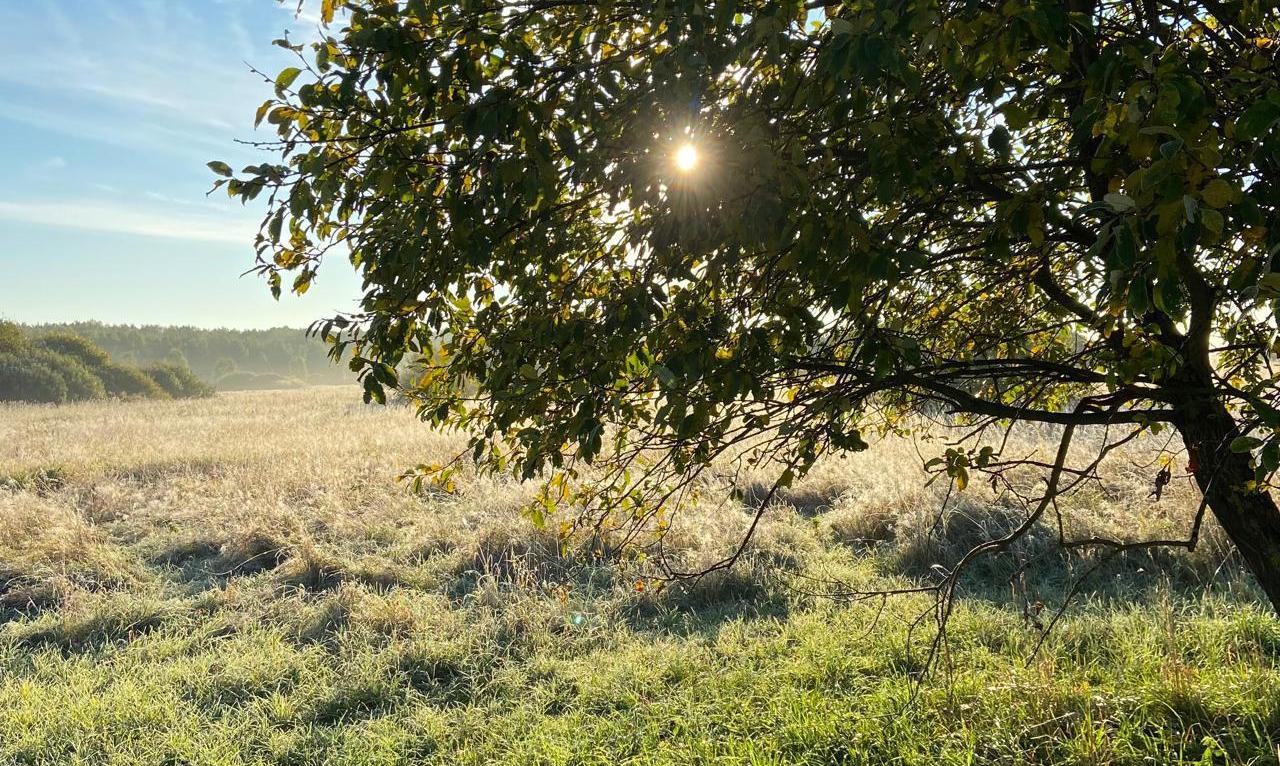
281,357
1060,212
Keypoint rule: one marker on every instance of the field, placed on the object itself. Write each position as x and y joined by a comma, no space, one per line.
242,580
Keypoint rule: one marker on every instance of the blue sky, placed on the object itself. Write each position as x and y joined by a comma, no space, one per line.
109,110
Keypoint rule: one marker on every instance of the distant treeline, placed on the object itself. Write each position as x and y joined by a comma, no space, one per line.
56,366
231,359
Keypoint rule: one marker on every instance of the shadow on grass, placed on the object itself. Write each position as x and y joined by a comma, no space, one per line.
809,501
159,470
80,634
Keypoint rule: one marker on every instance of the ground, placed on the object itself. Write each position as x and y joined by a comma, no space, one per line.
243,580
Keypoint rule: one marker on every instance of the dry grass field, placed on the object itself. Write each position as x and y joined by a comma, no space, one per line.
242,580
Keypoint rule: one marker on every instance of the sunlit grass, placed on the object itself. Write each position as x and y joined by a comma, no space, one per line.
241,580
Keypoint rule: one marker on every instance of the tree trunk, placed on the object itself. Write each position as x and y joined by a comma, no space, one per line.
1250,519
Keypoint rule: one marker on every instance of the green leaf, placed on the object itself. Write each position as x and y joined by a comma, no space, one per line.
1218,193
984,456
1245,444
999,141
1270,283
1126,250
537,513
1015,116
1139,296
286,78
1257,120
1271,456
276,224
221,168
1212,221
1119,203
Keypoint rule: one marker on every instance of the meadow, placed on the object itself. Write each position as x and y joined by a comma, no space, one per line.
242,580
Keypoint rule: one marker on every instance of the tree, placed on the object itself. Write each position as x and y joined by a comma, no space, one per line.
12,339
647,235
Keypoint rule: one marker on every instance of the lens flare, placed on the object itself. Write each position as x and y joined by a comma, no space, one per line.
686,158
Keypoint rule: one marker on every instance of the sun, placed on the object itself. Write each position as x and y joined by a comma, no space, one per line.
686,158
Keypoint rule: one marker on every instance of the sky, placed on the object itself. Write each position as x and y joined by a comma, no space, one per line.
109,110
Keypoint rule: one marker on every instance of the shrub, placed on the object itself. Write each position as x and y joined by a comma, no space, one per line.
12,339
178,381
82,383
75,346
194,386
126,381
26,380
164,377
82,371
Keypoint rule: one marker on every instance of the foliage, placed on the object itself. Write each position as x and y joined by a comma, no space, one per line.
213,354
25,380
1024,211
81,382
125,381
37,372
12,339
76,346
83,371
178,381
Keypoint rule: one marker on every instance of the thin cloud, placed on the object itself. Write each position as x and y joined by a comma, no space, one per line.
121,219
134,79
120,132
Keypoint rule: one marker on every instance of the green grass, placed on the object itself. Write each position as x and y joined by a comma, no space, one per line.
380,628
353,676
